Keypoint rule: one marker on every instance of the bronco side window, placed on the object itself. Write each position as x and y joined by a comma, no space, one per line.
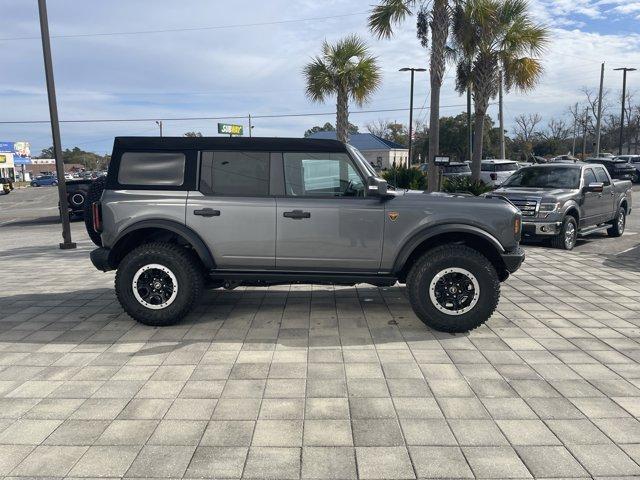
321,174
162,169
235,173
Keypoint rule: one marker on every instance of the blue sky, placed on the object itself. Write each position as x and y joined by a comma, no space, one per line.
256,69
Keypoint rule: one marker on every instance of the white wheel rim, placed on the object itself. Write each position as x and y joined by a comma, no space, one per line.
448,307
138,288
621,221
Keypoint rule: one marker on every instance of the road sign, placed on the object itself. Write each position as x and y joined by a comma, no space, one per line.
230,129
441,160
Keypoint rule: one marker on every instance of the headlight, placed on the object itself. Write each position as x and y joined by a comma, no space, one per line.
549,207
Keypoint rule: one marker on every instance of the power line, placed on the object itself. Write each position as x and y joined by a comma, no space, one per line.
227,117
188,29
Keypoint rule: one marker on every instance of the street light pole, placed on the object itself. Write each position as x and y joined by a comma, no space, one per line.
159,123
55,127
412,70
624,99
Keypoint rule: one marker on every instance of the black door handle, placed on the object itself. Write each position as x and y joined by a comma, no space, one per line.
297,214
207,212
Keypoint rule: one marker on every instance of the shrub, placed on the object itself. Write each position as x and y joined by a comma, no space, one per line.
406,177
465,185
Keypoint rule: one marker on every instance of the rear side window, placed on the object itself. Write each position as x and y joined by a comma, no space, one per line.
152,168
487,167
235,173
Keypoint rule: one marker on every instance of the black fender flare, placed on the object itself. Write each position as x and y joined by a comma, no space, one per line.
434,230
185,232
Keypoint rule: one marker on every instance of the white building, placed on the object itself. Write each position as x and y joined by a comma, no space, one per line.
381,153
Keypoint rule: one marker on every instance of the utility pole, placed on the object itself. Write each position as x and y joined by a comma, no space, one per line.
159,123
55,126
575,132
584,133
250,126
624,99
469,128
412,70
599,120
503,153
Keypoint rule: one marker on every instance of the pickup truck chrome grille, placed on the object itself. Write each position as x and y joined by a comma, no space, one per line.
528,207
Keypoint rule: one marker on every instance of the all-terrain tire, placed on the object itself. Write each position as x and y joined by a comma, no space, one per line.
183,265
560,241
441,259
619,223
93,195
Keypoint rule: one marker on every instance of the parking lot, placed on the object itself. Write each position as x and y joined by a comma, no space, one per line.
315,382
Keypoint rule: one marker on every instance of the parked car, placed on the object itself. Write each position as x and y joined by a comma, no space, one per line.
494,172
561,201
454,169
564,159
618,169
44,180
177,214
634,160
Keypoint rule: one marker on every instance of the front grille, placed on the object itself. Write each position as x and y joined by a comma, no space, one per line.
528,207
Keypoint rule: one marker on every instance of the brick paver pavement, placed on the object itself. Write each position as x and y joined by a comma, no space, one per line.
317,382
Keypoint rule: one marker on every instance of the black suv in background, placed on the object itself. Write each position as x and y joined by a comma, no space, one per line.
618,168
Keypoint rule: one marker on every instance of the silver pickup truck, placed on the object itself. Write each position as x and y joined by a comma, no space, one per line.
561,201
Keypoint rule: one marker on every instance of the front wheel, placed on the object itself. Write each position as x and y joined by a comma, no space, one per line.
159,283
618,224
568,235
453,288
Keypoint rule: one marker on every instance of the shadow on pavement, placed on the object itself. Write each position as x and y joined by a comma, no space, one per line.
628,260
94,317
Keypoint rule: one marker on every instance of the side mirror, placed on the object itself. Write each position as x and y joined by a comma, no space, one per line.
597,187
376,187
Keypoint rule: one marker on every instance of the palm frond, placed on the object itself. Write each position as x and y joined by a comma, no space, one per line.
388,13
319,80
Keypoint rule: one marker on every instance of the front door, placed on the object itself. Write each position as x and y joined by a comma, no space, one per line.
325,221
233,211
592,205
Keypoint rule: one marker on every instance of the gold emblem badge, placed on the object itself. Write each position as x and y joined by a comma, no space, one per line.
393,216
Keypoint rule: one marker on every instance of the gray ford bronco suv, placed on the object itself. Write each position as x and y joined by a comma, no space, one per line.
177,215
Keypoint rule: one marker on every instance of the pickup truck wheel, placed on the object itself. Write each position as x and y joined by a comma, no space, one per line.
617,227
566,239
94,193
159,283
453,288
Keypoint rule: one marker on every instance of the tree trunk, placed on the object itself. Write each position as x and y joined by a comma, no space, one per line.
439,33
478,135
342,115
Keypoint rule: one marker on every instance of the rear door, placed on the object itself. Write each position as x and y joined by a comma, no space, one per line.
325,221
233,210
608,194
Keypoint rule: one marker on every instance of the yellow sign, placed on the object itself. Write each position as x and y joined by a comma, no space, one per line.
3,159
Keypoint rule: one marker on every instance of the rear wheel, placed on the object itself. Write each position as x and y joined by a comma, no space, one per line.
159,283
618,224
453,288
636,177
94,193
568,235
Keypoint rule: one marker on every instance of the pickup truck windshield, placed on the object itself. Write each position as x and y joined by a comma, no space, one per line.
545,177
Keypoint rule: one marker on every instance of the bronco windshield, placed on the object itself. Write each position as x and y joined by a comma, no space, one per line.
545,177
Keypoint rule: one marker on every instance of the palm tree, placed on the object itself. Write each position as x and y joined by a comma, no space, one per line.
494,38
381,22
347,70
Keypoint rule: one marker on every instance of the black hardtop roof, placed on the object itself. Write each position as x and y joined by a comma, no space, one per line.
265,144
